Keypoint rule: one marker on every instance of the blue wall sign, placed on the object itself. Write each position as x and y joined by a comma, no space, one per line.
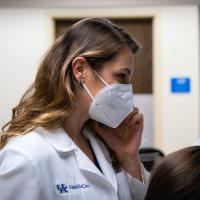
180,85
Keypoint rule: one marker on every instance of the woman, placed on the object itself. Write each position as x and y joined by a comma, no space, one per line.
176,176
75,134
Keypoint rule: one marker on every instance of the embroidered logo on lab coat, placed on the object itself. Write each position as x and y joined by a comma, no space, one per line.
65,188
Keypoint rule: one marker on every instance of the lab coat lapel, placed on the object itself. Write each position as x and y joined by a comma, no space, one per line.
63,143
85,163
100,153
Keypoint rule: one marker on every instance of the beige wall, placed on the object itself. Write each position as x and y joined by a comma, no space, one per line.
177,54
26,33
23,41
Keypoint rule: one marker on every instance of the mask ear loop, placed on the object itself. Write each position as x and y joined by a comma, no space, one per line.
102,80
89,93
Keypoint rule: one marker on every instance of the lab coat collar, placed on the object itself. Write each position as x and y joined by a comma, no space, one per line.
60,140
57,138
102,156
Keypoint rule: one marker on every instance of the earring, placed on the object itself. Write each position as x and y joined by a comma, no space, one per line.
81,82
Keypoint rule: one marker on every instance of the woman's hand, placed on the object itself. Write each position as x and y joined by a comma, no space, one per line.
125,141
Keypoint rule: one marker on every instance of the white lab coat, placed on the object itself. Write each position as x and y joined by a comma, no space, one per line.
48,165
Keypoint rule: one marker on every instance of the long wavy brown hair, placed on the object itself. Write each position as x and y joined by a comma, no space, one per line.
51,98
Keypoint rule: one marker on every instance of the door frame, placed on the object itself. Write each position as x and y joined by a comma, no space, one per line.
136,12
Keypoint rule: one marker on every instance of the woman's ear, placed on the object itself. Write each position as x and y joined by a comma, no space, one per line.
79,65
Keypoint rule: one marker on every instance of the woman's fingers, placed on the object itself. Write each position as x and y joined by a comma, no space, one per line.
130,116
109,135
137,118
135,110
100,130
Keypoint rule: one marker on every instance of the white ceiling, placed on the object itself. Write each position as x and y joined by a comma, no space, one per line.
93,3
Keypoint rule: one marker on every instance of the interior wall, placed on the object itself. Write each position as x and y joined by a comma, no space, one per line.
26,33
23,41
177,55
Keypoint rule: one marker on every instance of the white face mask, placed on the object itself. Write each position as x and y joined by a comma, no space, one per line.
112,104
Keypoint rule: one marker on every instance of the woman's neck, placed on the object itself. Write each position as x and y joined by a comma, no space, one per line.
74,124
73,127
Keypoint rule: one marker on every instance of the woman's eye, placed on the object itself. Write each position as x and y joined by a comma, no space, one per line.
121,75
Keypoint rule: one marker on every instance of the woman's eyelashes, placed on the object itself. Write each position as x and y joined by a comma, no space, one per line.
122,77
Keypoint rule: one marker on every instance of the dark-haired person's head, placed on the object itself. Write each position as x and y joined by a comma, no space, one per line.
176,177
